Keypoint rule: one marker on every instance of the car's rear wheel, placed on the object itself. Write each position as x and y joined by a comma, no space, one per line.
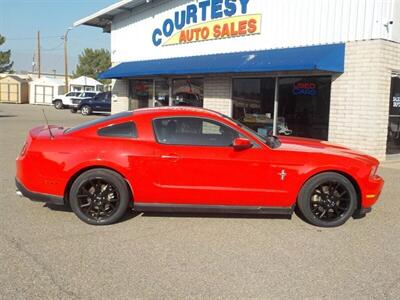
58,104
99,197
86,110
327,200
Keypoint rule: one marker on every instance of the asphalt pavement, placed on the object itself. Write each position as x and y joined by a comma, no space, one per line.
48,253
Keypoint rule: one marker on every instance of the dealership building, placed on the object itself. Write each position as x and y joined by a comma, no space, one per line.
325,69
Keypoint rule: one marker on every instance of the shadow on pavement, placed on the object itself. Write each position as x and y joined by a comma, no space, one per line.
216,215
130,214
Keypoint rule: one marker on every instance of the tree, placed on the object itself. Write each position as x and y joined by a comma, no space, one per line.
92,62
5,63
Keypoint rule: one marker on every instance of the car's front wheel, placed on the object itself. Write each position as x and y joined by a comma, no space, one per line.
99,197
58,104
86,110
327,200
74,110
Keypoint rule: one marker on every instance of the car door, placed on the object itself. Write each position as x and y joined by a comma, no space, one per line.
106,103
198,165
97,102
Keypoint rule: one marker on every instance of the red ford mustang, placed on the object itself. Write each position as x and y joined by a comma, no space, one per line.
179,159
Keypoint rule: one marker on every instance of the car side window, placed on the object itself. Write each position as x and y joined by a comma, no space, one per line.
70,94
193,131
124,130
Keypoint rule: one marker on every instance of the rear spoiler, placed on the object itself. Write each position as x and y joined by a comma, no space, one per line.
35,132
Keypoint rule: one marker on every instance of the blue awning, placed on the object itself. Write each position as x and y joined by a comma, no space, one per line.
328,58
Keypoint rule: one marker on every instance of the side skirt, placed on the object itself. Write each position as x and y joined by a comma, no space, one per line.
187,208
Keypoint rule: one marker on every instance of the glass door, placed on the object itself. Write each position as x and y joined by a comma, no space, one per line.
141,94
393,139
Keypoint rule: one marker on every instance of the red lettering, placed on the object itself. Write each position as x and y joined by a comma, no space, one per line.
252,26
217,31
225,31
197,33
205,33
242,27
182,37
189,35
234,32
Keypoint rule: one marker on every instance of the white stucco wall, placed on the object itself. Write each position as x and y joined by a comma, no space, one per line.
285,23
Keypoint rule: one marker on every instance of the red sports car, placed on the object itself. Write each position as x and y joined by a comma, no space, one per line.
182,159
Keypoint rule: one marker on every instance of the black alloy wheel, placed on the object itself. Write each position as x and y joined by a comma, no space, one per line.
330,201
327,200
99,197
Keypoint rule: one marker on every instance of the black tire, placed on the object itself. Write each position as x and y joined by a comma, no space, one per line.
74,110
327,200
86,110
58,104
89,201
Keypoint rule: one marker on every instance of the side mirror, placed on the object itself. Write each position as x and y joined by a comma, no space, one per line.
241,144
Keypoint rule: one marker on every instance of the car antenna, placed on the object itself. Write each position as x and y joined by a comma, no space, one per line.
47,123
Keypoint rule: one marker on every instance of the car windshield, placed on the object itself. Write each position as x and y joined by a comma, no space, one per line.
271,141
97,121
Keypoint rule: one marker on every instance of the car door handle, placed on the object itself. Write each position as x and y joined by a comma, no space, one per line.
170,157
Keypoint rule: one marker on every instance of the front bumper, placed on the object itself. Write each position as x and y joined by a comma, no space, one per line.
372,191
51,199
361,213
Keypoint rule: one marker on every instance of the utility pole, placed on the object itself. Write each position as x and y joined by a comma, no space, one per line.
66,59
38,53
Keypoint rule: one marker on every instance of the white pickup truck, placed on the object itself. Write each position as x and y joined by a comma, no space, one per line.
65,101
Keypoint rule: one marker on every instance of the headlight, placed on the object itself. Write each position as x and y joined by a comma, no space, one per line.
373,171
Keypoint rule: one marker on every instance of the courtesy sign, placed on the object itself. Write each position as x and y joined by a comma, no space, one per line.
208,20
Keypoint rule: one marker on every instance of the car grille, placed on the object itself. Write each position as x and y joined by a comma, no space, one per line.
76,101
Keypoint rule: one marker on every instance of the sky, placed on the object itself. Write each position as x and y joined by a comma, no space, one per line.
21,19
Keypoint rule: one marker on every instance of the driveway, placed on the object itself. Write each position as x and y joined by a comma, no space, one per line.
49,253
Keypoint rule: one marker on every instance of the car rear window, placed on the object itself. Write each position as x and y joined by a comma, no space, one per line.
98,121
124,130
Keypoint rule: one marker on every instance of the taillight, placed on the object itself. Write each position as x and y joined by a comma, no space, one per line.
23,150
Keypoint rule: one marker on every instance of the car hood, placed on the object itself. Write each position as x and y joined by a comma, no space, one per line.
306,145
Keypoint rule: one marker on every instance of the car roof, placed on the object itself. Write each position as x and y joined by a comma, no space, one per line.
176,110
166,111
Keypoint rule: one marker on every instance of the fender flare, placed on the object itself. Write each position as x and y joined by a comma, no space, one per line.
82,170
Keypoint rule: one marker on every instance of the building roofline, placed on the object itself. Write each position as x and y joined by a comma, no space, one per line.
103,18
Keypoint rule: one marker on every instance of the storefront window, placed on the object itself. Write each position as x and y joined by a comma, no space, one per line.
393,139
253,103
161,97
141,94
304,106
187,92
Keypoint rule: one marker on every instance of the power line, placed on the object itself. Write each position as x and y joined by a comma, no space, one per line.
33,38
54,48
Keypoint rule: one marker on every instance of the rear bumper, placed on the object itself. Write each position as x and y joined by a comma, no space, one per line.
51,199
